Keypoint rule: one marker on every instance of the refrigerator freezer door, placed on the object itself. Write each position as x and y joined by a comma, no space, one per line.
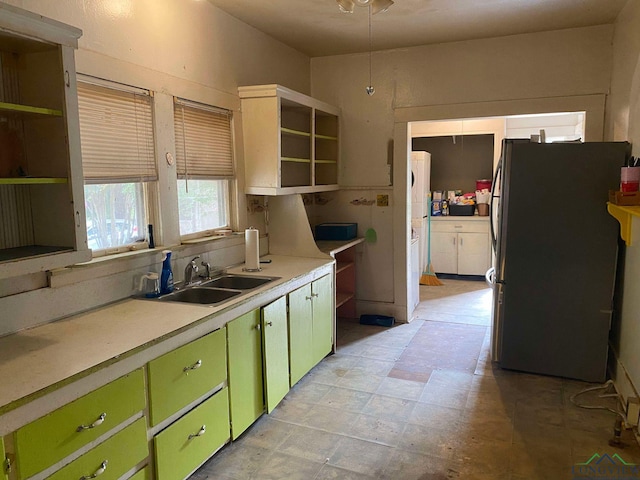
558,259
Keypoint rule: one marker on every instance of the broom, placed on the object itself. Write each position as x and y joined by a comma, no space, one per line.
428,276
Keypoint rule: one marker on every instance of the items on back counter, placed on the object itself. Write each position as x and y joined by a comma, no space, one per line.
453,202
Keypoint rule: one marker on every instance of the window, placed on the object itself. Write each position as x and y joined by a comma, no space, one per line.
118,160
204,154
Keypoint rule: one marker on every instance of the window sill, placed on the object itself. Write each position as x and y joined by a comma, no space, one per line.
148,258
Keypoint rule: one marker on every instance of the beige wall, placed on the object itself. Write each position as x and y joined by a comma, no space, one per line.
491,77
182,39
623,123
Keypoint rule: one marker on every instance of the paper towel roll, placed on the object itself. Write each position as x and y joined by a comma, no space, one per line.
251,249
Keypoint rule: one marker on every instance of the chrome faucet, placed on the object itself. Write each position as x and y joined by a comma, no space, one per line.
190,270
207,270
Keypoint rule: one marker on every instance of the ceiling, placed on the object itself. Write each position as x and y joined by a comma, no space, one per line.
318,28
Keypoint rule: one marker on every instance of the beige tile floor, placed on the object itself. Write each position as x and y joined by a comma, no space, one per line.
423,401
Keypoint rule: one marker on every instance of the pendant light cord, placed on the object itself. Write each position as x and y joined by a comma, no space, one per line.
370,44
370,90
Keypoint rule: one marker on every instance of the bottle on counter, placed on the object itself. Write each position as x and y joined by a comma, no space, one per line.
445,207
166,277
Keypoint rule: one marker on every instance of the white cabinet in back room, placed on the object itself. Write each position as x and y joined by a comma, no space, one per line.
460,245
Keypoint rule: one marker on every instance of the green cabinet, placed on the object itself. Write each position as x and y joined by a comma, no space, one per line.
185,374
51,438
276,352
185,445
4,467
310,326
301,353
257,345
322,294
246,391
113,458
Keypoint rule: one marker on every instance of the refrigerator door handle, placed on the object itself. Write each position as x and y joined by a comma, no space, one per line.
497,174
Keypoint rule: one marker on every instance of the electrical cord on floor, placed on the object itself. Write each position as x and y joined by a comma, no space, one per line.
621,419
606,385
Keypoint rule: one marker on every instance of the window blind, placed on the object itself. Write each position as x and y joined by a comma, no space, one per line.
116,134
204,146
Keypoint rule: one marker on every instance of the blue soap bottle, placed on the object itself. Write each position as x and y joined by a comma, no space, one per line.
166,277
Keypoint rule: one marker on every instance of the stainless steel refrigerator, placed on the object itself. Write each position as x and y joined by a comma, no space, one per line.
556,249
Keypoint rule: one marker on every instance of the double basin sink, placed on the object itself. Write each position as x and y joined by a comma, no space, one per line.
217,290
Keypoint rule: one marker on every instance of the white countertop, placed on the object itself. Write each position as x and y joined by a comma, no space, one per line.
331,247
34,361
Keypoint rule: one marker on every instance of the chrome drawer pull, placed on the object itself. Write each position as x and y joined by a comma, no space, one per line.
98,472
200,432
258,327
99,421
198,364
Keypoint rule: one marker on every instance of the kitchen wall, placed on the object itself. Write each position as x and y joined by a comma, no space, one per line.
565,70
623,123
186,48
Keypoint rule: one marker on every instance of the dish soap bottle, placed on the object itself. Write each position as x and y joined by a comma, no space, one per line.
166,277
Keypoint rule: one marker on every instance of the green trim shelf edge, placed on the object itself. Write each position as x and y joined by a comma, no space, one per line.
17,108
32,180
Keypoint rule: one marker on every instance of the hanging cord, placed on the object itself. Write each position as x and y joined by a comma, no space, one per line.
606,385
370,90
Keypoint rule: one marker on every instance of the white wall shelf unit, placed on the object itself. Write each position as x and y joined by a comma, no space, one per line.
291,141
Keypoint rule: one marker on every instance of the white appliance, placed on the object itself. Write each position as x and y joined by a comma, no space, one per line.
421,185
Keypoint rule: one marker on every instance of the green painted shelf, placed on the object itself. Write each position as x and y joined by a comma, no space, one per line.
295,160
29,110
326,137
290,131
32,180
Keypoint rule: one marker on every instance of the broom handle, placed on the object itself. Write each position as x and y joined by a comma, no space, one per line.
428,230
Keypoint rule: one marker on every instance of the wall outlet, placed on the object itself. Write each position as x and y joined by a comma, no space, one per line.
633,410
382,200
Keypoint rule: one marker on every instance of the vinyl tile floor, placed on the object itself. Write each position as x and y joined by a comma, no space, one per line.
423,401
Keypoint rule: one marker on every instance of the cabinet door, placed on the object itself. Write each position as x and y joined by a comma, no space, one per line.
276,352
3,462
444,252
473,253
321,292
300,333
246,392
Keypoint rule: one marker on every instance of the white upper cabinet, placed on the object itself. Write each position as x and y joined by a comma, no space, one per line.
291,141
42,218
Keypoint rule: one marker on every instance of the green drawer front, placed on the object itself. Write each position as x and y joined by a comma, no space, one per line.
185,374
118,454
179,450
144,474
49,439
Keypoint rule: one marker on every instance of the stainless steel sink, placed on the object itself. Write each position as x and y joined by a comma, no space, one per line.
238,282
217,290
201,295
